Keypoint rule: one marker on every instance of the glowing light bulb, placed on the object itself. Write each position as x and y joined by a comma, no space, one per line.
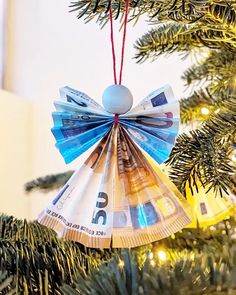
151,255
153,263
205,111
121,264
192,256
205,54
162,255
233,157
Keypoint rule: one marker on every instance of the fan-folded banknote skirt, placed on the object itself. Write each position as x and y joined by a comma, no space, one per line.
118,198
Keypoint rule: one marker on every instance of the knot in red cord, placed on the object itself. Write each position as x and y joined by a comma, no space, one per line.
116,119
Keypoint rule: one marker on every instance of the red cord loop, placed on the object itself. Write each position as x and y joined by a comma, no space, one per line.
116,116
113,47
123,43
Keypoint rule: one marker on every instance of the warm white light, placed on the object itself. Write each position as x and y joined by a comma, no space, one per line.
192,256
217,111
205,54
153,263
162,255
233,157
205,111
151,255
121,263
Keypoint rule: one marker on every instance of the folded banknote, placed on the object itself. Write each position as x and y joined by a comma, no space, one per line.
119,197
208,207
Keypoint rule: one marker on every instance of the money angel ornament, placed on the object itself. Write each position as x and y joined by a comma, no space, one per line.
119,197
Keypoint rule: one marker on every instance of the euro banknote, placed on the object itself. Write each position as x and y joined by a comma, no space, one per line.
73,146
79,98
153,124
118,198
157,100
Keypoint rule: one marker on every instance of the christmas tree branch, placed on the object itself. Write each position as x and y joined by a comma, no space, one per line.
48,182
191,107
219,65
178,10
166,39
7,283
89,9
35,261
177,37
39,260
207,273
205,152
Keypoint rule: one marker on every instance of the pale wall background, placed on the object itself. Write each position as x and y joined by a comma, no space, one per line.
46,48
15,154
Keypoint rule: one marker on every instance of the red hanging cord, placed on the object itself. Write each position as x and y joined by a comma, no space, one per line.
123,43
113,47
